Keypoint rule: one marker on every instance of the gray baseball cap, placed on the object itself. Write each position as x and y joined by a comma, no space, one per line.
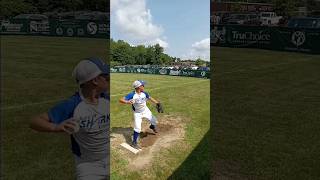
88,69
138,83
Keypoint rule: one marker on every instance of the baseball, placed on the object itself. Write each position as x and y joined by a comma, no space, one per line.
77,127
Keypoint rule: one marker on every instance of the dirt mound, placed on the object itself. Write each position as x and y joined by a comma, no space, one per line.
170,130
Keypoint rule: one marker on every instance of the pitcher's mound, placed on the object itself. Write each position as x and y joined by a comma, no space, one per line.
170,130
148,137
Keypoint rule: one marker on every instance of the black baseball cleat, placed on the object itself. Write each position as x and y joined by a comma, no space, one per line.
135,145
153,128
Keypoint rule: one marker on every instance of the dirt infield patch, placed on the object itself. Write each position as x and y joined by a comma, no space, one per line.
170,130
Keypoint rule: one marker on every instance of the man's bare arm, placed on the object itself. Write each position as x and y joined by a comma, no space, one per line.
42,123
123,101
153,100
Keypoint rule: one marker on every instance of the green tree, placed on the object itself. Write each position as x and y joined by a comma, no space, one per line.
140,55
285,7
122,52
158,50
200,62
11,8
150,55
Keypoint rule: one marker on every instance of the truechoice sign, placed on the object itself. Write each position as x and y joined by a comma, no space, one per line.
251,36
276,38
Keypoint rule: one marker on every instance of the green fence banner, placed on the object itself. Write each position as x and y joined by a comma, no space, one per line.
15,27
161,71
79,28
53,27
274,38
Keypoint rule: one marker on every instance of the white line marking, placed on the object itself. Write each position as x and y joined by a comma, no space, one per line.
30,104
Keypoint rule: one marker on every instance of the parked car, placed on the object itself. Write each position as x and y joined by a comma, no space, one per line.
35,17
253,19
240,18
269,18
236,19
305,22
95,15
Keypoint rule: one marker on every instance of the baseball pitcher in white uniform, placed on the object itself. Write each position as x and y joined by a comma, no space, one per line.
138,101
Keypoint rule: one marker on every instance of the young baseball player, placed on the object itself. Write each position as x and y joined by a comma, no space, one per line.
137,99
85,116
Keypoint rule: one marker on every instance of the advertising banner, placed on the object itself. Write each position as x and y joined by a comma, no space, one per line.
162,71
52,27
274,38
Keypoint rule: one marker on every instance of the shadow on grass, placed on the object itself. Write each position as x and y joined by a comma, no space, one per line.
199,162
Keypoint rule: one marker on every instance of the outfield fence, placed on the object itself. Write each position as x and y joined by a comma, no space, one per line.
162,71
274,38
56,27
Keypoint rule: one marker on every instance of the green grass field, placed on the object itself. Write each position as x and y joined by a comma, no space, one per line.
36,74
181,96
265,114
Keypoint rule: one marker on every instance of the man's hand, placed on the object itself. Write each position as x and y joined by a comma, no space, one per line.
123,101
69,126
131,101
42,123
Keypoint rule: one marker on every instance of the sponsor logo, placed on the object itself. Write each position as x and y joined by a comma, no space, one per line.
163,71
103,28
92,28
70,32
150,71
298,38
39,26
188,73
113,70
218,35
143,70
122,69
7,26
251,36
59,31
80,32
174,73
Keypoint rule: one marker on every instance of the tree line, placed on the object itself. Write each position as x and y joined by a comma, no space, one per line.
10,8
122,53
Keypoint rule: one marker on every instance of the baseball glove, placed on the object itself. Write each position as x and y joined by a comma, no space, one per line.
159,108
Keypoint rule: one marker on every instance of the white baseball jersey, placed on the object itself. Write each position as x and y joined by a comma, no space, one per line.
140,101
